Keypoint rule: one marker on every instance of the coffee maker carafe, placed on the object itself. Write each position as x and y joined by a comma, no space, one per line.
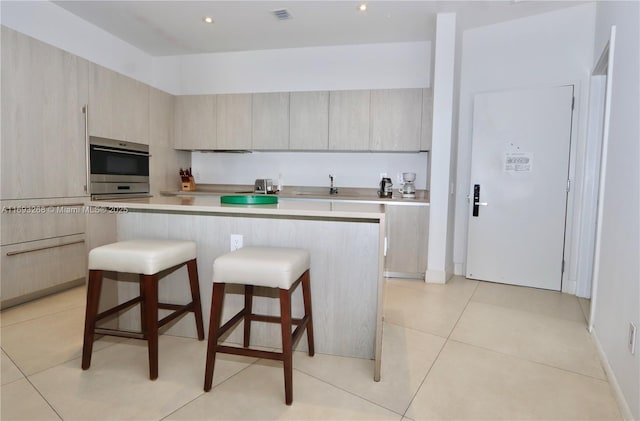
408,188
386,188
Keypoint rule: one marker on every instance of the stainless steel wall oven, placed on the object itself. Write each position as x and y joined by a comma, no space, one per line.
118,168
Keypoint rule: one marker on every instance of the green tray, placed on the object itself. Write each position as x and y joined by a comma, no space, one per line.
249,200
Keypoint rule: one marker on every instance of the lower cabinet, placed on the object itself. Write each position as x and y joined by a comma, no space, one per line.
407,241
43,248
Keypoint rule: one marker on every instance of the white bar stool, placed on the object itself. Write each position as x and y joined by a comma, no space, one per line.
147,258
272,267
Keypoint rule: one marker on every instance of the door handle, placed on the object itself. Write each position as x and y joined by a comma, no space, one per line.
476,200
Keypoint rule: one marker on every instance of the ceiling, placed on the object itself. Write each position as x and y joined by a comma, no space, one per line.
165,28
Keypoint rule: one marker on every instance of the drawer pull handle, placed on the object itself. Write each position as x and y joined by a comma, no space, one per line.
13,253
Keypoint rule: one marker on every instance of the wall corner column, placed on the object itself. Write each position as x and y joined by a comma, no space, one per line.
438,270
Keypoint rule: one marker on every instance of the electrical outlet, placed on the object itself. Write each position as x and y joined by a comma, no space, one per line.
632,338
236,241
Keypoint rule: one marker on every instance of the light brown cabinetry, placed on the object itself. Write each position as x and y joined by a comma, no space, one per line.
427,119
270,121
395,119
118,106
407,240
309,121
233,120
43,142
195,122
42,247
165,161
349,120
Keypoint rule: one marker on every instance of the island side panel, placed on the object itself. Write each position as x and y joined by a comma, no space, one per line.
345,273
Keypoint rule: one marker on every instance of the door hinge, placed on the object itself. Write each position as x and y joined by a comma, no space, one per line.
562,271
568,185
573,103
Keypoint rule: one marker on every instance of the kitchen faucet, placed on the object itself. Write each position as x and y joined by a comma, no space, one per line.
332,190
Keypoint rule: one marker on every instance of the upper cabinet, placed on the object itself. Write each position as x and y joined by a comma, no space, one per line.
309,124
195,122
427,119
349,120
118,106
233,119
396,119
43,127
270,121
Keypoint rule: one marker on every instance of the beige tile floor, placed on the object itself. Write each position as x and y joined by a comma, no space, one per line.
464,350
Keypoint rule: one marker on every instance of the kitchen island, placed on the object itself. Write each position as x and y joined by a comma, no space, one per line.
345,240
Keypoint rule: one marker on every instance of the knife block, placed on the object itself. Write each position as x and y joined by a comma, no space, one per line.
189,185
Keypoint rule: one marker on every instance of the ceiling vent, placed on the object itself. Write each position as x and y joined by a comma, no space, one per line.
281,14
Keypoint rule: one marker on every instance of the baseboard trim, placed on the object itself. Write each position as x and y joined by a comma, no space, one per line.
404,275
625,410
10,302
436,277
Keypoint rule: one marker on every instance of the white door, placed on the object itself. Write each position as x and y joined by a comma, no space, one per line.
519,186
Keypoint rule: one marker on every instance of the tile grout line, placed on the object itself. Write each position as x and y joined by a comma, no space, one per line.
517,357
203,393
349,392
32,385
41,316
435,360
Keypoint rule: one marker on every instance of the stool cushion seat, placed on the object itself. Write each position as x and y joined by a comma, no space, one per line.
146,257
274,267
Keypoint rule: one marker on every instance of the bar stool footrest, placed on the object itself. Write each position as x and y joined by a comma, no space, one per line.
250,352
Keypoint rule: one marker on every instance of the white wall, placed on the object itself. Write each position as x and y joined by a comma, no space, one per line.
54,25
440,214
368,66
617,298
308,169
544,50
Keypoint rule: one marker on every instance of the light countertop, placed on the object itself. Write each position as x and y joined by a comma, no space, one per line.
290,193
211,204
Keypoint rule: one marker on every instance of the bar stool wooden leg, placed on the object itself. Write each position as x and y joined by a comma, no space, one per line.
287,346
151,316
194,283
248,308
143,315
214,325
93,301
306,295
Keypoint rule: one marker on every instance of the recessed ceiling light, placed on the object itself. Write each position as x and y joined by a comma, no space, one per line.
208,19
362,7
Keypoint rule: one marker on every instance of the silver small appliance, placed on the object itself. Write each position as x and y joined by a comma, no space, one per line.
408,189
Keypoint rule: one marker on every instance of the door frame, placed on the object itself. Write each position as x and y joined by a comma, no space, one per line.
570,250
604,67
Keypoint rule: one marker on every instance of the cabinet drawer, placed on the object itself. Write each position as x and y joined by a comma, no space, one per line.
25,220
37,265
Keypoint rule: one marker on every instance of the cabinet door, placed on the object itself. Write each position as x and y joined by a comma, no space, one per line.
43,142
118,106
427,119
395,119
38,266
309,121
407,239
132,109
234,121
349,120
270,121
195,122
165,161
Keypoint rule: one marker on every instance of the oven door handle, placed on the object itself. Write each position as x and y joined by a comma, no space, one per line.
85,111
120,152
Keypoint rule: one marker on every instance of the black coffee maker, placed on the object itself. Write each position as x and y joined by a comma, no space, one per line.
386,188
